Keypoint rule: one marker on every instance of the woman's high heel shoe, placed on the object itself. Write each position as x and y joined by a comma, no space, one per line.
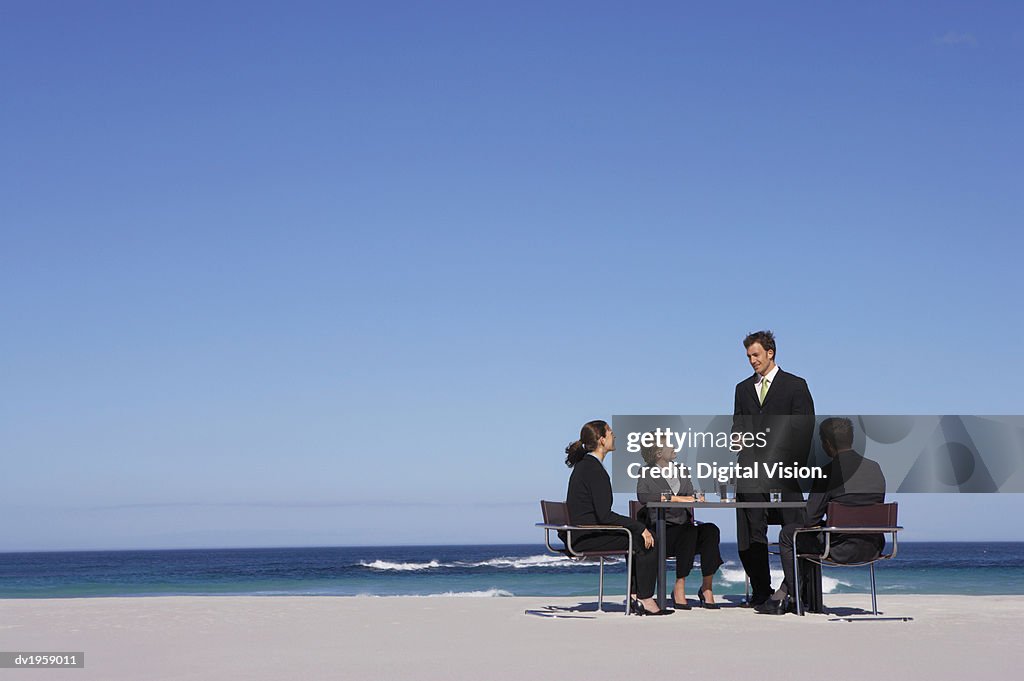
639,609
704,604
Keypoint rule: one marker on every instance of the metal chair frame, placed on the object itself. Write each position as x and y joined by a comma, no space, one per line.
824,560
583,555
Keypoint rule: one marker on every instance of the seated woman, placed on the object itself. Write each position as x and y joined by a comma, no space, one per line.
590,503
683,538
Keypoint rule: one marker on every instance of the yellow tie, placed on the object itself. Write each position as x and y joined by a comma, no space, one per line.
764,390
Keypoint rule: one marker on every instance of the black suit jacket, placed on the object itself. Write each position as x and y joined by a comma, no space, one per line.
589,498
788,415
852,480
787,418
788,394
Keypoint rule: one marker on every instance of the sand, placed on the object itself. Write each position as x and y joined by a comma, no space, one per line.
219,638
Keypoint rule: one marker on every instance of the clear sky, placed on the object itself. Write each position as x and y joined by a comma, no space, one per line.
355,273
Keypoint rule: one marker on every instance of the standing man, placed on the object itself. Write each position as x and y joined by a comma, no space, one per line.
778,404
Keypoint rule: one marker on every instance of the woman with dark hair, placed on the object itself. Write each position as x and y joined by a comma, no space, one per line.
590,503
683,538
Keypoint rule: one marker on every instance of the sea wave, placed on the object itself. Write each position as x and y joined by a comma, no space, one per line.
489,593
503,562
544,560
526,562
731,572
401,567
737,576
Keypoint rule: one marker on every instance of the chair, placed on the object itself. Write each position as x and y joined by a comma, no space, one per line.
842,519
556,517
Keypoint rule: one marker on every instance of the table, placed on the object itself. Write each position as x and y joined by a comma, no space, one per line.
659,538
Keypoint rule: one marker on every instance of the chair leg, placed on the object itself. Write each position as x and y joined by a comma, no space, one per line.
796,573
600,587
874,601
629,577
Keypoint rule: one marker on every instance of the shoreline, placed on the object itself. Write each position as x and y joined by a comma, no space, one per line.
447,637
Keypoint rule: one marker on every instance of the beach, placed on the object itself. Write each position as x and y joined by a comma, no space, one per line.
448,637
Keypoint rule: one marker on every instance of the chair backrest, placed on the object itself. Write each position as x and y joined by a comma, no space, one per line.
873,515
555,512
634,508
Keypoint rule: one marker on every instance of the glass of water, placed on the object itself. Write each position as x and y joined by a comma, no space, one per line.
775,496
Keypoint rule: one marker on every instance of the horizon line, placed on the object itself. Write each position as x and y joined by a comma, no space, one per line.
400,546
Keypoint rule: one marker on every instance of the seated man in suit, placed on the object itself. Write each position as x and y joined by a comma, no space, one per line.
850,479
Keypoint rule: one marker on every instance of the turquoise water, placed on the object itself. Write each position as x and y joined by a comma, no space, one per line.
501,570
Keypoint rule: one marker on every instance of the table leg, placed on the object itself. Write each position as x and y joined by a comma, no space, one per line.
659,539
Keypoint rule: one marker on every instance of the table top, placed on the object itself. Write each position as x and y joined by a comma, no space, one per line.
727,504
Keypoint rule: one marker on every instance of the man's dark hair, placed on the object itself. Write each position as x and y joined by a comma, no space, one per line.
837,432
766,338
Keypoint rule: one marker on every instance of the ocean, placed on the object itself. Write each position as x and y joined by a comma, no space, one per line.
481,571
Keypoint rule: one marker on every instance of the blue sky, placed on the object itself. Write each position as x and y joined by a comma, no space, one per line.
328,273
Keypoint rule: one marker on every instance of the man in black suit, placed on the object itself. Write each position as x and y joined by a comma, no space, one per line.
850,479
778,404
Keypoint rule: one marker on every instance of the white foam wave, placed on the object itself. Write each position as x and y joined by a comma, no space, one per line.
489,593
402,567
737,576
829,584
732,575
543,560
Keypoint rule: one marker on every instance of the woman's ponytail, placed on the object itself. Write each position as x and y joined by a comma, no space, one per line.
574,453
590,433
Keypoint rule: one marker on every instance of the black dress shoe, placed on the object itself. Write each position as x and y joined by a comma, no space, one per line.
755,601
773,607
